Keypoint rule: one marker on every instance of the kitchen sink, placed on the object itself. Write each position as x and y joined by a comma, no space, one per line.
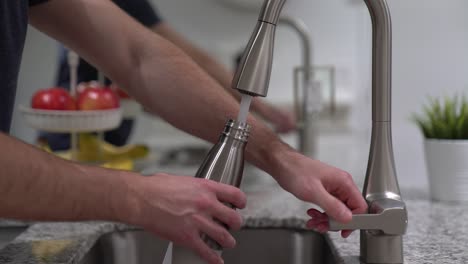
259,246
8,234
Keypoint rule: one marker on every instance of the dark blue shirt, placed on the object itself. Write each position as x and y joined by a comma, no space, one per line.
141,10
13,27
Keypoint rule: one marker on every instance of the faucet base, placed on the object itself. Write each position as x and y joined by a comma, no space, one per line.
381,249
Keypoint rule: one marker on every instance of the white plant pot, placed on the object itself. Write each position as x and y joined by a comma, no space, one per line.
447,165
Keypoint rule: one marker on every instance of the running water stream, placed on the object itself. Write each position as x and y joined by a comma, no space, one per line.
244,108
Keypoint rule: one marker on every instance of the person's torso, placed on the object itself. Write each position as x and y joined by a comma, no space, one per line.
13,26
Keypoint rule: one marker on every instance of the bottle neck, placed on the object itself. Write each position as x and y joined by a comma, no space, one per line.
237,131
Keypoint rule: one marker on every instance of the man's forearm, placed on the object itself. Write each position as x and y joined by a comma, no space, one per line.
37,186
201,78
195,103
215,69
203,59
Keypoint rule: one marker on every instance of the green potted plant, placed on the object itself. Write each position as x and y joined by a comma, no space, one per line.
445,128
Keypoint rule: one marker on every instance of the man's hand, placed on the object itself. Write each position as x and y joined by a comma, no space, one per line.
283,121
330,188
181,208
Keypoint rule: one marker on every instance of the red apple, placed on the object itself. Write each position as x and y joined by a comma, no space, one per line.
97,99
121,93
53,99
85,85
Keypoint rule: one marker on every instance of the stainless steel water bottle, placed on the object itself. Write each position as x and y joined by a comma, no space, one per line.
225,164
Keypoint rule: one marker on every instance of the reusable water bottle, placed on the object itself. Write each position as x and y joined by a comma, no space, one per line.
225,164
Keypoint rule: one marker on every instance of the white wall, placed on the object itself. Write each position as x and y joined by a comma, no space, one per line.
430,56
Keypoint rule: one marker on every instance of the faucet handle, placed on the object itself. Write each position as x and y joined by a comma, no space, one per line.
391,221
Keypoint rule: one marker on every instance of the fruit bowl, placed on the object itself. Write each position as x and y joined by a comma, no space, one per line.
72,121
130,108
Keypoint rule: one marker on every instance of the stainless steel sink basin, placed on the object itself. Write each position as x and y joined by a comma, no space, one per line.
258,246
8,234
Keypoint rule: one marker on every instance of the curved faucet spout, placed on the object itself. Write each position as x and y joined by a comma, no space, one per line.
382,60
381,179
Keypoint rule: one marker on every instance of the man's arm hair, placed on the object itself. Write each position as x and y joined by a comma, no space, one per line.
215,69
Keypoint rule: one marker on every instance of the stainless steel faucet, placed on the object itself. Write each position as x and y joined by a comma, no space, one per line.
307,144
385,224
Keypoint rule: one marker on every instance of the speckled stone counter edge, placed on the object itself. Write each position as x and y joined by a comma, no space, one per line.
432,236
68,243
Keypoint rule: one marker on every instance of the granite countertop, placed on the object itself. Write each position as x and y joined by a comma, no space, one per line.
436,232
